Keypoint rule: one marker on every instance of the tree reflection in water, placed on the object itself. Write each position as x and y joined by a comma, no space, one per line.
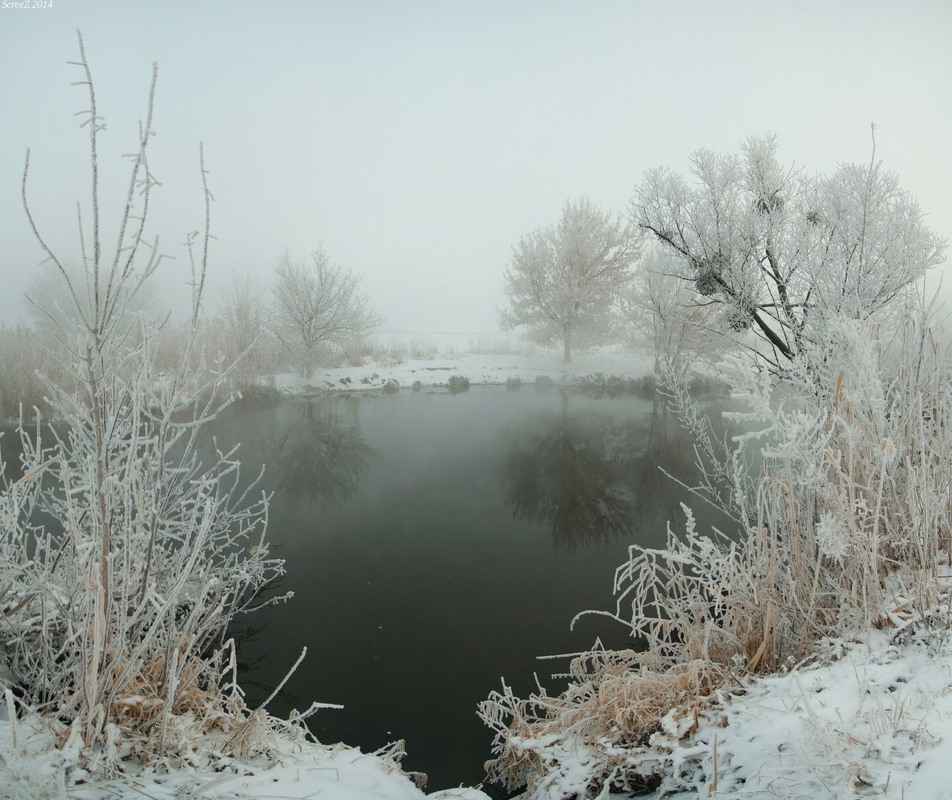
591,478
566,471
318,451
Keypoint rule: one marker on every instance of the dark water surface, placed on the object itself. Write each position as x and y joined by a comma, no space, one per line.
436,543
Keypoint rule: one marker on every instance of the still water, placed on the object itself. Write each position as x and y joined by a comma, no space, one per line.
436,543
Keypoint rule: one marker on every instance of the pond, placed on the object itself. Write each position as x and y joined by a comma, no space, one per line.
437,543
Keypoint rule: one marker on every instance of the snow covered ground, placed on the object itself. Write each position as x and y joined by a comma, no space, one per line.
868,718
32,769
872,718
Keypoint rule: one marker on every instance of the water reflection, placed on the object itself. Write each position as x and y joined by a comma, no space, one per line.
568,472
592,477
318,451
11,448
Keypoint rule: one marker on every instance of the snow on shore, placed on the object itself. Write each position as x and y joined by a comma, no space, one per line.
869,718
432,362
875,721
31,768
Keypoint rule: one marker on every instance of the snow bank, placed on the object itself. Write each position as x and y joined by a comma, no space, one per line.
32,768
876,720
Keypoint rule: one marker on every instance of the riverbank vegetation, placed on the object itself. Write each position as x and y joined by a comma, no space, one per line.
123,557
838,489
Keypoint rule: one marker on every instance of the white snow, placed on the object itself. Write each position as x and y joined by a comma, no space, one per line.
870,718
31,767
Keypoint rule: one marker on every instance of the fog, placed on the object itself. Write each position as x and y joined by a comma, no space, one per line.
420,140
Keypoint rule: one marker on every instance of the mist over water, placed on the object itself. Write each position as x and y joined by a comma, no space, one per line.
436,543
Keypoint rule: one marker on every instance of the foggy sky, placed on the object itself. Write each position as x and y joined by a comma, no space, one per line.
420,140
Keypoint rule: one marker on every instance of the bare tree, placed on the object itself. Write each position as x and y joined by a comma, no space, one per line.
318,304
783,252
243,313
564,282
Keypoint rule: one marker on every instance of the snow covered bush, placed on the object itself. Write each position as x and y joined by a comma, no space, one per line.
840,486
123,558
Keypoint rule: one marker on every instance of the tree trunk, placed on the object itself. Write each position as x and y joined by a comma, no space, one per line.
566,350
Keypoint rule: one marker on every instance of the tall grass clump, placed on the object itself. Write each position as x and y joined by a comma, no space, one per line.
840,490
123,558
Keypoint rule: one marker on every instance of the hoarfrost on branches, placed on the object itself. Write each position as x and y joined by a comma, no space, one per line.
123,556
785,253
666,316
830,537
565,282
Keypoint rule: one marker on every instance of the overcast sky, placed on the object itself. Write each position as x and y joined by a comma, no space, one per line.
420,140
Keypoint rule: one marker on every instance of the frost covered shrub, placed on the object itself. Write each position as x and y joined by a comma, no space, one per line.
423,348
123,558
857,485
843,525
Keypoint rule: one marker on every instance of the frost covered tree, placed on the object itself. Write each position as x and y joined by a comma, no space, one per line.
241,332
318,303
123,557
243,314
666,316
564,282
783,252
